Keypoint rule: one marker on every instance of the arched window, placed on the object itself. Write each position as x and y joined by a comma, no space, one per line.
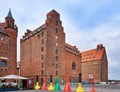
73,66
3,63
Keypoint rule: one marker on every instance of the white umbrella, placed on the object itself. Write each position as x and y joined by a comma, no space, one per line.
13,77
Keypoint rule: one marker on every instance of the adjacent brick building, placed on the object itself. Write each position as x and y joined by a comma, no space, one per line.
44,52
8,46
95,62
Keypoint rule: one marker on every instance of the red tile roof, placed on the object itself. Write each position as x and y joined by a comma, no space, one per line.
94,54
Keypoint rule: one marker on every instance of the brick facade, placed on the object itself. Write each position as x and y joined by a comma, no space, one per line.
8,46
95,62
44,52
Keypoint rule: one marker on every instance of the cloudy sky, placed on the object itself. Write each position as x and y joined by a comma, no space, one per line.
86,23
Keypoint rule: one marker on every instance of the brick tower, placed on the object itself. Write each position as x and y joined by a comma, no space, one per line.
8,42
55,45
44,48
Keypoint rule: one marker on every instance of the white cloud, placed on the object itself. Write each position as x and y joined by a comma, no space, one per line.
108,34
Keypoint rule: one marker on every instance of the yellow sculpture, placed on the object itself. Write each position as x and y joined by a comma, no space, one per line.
51,87
37,87
79,89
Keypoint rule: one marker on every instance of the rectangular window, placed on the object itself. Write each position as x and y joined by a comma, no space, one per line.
56,51
56,66
42,72
56,22
56,44
56,73
42,41
42,65
56,36
73,66
42,57
42,34
3,63
56,58
56,30
42,49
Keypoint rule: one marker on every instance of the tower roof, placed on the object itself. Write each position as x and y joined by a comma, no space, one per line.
9,14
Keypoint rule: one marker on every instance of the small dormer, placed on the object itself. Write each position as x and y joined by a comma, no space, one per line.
9,20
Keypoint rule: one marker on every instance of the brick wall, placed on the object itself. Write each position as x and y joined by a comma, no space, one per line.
8,48
44,53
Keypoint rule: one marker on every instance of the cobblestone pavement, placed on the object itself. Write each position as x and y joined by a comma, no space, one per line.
87,88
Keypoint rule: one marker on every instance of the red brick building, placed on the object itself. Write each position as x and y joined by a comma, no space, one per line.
8,46
95,62
44,52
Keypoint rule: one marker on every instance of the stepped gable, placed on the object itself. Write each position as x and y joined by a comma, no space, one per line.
30,33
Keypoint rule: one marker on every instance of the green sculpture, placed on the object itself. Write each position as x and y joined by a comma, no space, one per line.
57,84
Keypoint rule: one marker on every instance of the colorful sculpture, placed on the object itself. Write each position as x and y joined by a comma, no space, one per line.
51,87
44,87
67,85
80,89
57,85
37,87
